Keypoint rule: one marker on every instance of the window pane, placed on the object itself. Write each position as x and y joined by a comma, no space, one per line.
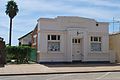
95,38
58,37
48,37
53,46
95,46
75,40
91,38
34,40
53,37
99,39
72,40
78,40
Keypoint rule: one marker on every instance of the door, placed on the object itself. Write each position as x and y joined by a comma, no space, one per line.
76,49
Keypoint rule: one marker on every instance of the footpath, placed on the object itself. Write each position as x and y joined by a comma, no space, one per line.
41,69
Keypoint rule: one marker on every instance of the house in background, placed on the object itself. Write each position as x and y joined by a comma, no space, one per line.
70,38
115,44
26,39
35,37
30,38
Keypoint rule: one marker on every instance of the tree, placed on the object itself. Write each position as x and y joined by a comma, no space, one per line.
11,11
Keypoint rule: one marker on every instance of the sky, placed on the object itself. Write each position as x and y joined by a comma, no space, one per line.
31,10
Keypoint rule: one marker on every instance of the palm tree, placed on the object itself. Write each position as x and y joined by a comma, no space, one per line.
11,11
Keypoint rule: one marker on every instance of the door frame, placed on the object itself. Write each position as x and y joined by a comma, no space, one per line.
76,43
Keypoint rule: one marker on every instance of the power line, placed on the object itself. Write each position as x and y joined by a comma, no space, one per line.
114,23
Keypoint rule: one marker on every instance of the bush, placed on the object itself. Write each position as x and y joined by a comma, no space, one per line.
19,53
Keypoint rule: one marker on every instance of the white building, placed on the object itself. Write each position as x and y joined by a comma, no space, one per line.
70,38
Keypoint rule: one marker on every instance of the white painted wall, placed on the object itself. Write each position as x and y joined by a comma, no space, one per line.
67,27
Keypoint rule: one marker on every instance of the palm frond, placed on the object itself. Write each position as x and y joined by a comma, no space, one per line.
11,9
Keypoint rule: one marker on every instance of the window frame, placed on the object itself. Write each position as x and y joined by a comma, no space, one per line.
58,40
34,39
76,41
98,40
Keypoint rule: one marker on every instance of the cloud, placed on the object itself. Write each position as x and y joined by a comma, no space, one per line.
28,7
60,7
106,3
31,10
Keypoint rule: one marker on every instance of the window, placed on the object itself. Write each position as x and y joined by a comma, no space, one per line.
91,38
34,39
95,43
95,39
53,37
72,40
53,46
58,37
95,46
53,42
76,41
99,39
48,37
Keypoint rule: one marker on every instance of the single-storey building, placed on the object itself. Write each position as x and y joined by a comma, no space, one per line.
30,38
72,38
114,44
26,39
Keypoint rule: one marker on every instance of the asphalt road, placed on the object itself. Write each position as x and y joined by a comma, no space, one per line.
77,76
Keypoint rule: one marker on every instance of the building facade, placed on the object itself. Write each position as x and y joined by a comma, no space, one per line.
70,38
115,44
26,39
35,37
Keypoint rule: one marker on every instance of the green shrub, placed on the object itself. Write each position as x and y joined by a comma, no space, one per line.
19,53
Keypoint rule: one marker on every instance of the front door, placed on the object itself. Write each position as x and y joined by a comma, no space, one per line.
76,49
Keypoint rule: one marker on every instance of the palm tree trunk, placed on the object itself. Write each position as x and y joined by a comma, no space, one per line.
10,33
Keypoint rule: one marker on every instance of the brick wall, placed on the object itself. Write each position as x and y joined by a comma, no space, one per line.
35,35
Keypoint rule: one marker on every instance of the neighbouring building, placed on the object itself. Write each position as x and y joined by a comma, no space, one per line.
26,39
70,38
30,38
114,43
35,37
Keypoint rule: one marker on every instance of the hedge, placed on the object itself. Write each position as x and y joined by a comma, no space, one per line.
19,53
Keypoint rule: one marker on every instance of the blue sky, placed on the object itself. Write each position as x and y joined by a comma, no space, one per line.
31,10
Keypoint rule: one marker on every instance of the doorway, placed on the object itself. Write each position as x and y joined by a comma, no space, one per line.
76,49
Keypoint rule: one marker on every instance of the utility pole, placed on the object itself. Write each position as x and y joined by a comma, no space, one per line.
119,26
113,24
